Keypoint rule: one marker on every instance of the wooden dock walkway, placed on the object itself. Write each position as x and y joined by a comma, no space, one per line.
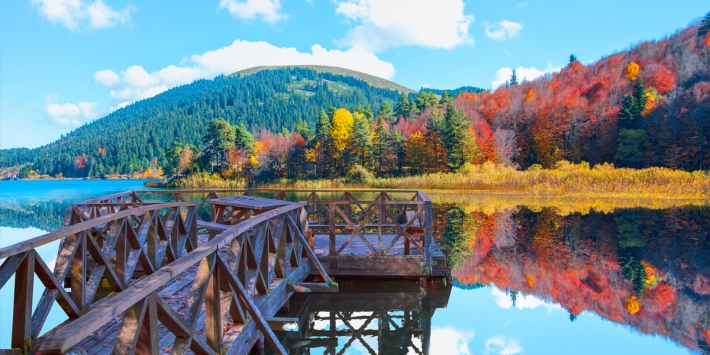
176,271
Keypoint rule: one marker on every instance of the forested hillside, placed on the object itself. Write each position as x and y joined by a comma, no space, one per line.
137,137
648,106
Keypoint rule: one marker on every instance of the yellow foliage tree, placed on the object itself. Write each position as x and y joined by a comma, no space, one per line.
530,95
341,128
632,305
632,71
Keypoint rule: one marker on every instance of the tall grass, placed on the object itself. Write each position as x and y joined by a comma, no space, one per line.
204,181
566,179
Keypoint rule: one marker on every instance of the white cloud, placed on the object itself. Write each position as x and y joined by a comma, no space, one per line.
502,299
502,346
529,74
447,340
107,77
502,30
75,14
522,4
427,23
267,10
69,114
135,83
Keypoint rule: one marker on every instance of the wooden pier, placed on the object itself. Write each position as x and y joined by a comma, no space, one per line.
206,272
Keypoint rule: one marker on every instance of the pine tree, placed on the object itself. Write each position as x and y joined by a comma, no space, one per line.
399,150
514,79
704,27
361,141
220,138
456,138
321,141
433,140
572,58
385,111
403,108
379,145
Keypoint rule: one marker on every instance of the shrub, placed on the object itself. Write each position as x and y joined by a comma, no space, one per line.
358,175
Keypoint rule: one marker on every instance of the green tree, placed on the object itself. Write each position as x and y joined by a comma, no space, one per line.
220,138
572,58
514,79
704,27
379,145
403,108
303,129
173,159
459,143
361,142
385,111
321,141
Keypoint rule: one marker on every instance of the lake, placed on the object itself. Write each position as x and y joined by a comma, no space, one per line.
529,276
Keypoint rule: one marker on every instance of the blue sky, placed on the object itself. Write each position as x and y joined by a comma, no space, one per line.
66,62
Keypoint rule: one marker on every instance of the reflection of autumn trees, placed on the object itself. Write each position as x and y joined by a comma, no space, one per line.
649,269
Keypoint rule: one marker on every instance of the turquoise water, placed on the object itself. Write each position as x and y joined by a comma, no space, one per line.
525,282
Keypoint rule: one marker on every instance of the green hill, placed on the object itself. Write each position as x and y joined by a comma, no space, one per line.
132,138
370,79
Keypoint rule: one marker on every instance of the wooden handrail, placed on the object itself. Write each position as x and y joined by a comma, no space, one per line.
71,334
33,243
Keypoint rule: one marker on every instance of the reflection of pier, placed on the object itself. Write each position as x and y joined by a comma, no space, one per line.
396,321
141,272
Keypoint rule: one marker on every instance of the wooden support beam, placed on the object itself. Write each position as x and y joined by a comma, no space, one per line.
311,287
282,324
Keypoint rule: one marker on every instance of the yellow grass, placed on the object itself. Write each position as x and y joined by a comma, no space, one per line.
566,180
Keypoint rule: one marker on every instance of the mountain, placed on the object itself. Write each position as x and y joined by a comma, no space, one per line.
137,136
369,79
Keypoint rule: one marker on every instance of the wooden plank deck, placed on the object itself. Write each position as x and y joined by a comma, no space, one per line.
357,260
238,338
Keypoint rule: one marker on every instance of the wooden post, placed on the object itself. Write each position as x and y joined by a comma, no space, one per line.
78,273
428,238
331,227
22,307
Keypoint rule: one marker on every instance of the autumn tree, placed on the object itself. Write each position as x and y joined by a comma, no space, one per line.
417,152
340,132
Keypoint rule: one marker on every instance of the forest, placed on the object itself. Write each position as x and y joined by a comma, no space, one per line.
648,106
639,267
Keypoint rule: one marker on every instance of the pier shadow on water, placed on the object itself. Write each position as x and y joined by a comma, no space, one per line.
528,277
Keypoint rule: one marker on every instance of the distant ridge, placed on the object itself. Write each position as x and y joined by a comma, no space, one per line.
370,79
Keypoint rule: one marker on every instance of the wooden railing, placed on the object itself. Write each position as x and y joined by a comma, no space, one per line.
96,257
242,273
395,216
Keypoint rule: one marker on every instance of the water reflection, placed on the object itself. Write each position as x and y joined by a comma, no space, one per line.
647,269
644,268
368,318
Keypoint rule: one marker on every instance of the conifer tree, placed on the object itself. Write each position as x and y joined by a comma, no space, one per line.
385,111
403,108
379,145
321,141
514,79
456,138
361,140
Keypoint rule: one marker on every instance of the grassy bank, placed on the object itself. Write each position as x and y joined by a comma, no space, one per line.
570,180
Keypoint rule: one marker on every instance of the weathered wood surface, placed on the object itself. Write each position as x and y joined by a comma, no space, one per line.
95,257
255,255
248,202
241,275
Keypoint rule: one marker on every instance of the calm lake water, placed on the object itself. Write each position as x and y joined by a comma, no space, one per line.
538,279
